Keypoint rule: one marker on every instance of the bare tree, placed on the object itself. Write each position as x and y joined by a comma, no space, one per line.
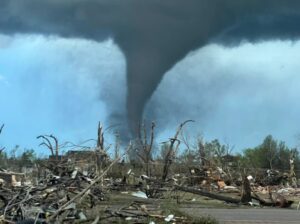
1,129
168,160
101,151
145,152
117,145
50,142
100,137
202,154
293,177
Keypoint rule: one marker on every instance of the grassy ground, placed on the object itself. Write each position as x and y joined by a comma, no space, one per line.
172,203
161,207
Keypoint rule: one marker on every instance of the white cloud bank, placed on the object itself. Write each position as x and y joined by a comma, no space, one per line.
65,86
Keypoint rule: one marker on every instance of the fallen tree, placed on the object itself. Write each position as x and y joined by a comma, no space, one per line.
208,194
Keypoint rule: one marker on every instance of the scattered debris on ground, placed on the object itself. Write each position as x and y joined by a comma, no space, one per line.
72,189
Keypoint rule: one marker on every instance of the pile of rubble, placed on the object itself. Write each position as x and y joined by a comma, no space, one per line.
67,194
268,188
50,198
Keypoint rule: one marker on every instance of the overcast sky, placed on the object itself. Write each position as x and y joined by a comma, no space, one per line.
65,86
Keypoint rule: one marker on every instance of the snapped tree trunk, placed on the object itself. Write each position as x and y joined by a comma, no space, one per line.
246,193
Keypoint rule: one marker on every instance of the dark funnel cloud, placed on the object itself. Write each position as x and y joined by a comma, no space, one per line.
153,34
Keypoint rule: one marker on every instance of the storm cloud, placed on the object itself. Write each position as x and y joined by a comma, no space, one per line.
153,35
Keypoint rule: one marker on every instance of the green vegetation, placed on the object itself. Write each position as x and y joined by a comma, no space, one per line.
16,160
271,154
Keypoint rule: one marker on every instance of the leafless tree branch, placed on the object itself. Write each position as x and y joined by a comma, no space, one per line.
170,154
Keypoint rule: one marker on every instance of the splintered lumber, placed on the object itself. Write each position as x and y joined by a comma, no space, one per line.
208,194
11,173
96,220
94,182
